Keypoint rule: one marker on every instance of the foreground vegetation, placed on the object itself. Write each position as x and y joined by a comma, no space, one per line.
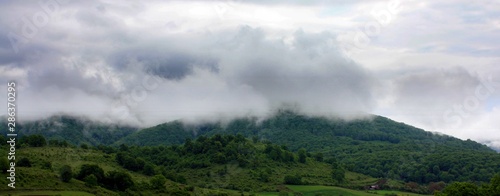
218,165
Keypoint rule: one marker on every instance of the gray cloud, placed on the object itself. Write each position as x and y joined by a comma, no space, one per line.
226,73
147,63
441,86
311,73
241,75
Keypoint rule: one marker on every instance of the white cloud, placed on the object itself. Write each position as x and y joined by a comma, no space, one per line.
238,57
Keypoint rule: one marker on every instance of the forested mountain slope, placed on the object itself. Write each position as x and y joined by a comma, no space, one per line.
377,147
75,130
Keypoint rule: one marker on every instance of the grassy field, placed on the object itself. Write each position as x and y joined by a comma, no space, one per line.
399,193
327,190
46,193
331,190
37,180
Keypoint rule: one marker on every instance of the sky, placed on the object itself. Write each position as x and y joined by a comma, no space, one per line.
430,64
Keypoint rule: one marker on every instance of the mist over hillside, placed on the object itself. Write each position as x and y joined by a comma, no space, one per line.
81,129
375,146
401,95
212,60
75,130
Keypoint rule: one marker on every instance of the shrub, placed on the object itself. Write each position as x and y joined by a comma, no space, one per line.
293,180
90,180
117,180
149,169
66,173
158,182
88,169
338,175
175,177
24,162
461,188
302,155
189,188
47,165
84,146
264,176
318,157
283,194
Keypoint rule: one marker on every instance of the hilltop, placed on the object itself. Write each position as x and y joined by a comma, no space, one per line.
376,146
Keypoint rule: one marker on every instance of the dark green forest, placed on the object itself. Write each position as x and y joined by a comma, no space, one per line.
229,162
376,146
206,162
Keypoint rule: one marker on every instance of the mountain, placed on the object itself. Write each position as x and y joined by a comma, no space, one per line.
377,146
75,130
229,164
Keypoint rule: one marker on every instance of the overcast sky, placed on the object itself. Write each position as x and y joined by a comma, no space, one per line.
431,64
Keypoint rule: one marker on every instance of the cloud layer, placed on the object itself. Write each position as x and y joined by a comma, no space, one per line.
147,63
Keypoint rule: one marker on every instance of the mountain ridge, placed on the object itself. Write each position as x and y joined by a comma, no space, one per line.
194,129
378,147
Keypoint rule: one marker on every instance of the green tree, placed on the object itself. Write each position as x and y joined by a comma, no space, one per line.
2,140
4,164
338,173
34,140
66,173
149,169
123,147
275,153
461,189
494,188
318,157
131,163
140,164
117,180
90,180
255,139
158,182
120,158
302,155
264,176
84,146
89,169
293,180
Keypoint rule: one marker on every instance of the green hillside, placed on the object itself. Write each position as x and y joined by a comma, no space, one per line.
378,147
218,165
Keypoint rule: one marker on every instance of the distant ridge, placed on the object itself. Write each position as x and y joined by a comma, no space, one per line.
75,130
